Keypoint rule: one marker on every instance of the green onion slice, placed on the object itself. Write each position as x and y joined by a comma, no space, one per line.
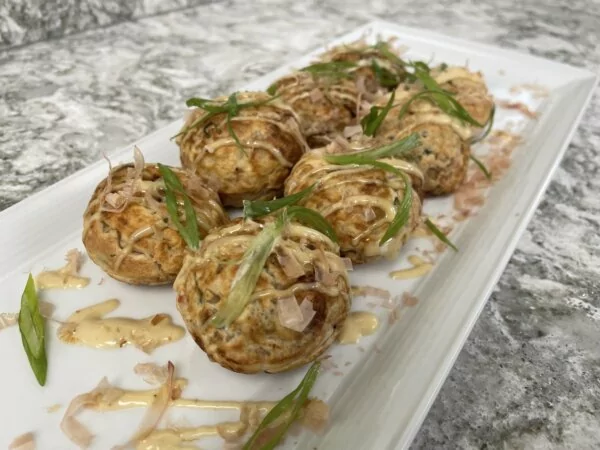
312,219
259,208
31,326
403,209
230,107
488,127
384,77
372,121
394,149
333,68
384,50
189,230
439,234
481,166
247,275
443,100
287,410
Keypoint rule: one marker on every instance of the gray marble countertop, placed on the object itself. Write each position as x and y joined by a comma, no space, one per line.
528,376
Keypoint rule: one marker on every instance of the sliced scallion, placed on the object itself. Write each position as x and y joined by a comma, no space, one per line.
189,231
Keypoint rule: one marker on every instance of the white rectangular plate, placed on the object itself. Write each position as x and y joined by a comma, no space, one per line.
383,388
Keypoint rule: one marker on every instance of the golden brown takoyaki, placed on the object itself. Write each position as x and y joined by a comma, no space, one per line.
469,88
326,104
359,201
444,151
296,309
374,68
127,230
244,148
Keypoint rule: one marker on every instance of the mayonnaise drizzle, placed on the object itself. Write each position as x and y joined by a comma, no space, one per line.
313,168
357,325
218,245
64,278
273,113
175,438
419,268
88,327
209,214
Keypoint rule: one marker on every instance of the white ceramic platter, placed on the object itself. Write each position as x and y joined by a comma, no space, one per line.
382,388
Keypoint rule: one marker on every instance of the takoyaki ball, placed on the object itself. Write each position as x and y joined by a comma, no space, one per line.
359,202
326,105
444,150
128,232
469,88
368,58
303,275
271,142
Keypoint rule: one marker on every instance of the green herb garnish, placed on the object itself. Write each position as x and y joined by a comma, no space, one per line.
231,108
384,77
372,121
384,49
488,127
259,208
403,208
189,231
287,411
439,234
312,219
336,69
481,166
31,326
386,151
405,205
247,274
256,255
443,100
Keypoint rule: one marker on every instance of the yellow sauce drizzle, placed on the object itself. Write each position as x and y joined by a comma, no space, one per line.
174,438
313,168
357,325
420,268
89,327
64,278
274,116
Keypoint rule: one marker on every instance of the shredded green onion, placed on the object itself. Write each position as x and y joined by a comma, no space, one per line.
189,230
247,275
443,100
372,121
31,327
259,208
481,166
384,77
402,210
488,127
312,219
230,107
439,234
336,69
386,151
287,411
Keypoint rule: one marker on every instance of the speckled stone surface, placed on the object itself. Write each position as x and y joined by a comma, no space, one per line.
529,375
26,21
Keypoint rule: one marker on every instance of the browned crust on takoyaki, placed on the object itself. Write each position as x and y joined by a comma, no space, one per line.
325,105
271,143
359,202
256,341
140,244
